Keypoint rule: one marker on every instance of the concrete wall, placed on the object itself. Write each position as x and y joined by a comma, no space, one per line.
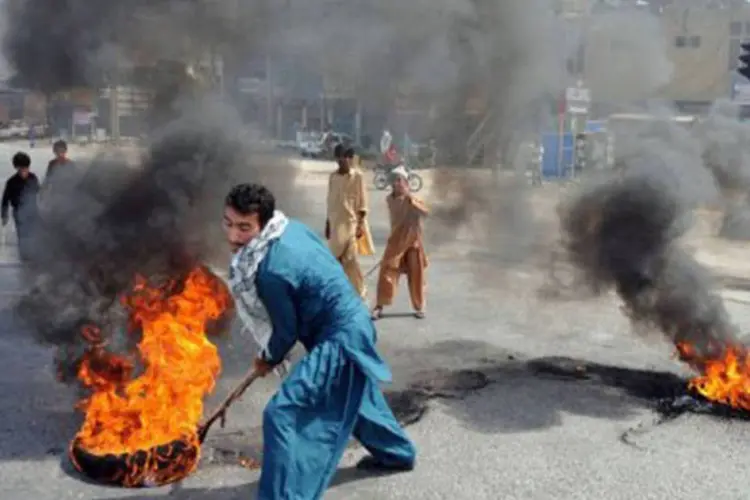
698,45
685,54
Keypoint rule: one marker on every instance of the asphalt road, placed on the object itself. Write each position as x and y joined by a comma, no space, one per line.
525,435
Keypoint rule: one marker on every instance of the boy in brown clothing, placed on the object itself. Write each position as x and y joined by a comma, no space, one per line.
404,253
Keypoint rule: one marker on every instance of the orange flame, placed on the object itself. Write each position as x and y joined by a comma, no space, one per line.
125,414
725,378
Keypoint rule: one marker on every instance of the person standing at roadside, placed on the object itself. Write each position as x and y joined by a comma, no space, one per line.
404,253
60,164
20,194
346,222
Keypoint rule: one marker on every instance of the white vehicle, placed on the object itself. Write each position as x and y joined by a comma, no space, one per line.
314,144
19,130
310,144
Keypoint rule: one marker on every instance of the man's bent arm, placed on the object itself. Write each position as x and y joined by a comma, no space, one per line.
419,206
276,295
6,200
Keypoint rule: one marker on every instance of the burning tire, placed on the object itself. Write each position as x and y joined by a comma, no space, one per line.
141,426
157,466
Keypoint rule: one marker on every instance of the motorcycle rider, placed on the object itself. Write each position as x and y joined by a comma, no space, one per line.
388,151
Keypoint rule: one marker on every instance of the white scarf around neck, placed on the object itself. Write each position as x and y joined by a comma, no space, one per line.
242,273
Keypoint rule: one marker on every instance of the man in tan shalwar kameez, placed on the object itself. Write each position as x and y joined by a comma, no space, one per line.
347,231
404,253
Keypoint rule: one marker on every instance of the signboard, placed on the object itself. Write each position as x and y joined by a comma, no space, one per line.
251,85
578,100
82,117
130,100
78,96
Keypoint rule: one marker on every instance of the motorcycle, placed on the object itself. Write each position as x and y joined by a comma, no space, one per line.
382,174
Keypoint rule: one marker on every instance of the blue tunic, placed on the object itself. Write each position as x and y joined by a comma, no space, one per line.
332,393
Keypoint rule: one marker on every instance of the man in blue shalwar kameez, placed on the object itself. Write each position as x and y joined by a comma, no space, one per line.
288,288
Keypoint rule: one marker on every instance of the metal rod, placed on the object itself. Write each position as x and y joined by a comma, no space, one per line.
220,412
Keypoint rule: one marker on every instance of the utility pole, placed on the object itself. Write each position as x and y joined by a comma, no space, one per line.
269,94
114,112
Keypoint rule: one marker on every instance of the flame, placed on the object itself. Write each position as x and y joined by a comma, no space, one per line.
128,413
725,378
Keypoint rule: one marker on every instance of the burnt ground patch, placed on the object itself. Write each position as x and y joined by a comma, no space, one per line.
663,392
609,392
667,393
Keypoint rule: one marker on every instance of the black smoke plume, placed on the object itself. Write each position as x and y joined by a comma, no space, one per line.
114,221
156,212
54,45
623,234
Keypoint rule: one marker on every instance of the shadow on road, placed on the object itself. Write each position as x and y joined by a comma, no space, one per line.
243,491
527,395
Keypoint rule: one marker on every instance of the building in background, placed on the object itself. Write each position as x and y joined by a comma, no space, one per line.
699,44
13,104
686,54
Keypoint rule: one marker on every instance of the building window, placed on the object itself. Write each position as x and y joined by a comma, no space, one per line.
735,51
692,42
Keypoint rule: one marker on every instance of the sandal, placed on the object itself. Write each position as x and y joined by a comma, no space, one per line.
377,313
420,315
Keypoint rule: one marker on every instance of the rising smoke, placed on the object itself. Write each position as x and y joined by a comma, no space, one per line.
726,155
115,222
115,218
517,51
448,51
623,233
155,220
58,45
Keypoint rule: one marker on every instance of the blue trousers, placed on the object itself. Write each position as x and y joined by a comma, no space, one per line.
307,425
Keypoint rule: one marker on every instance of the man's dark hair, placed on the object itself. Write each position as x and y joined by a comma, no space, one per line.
60,145
21,160
342,151
250,199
